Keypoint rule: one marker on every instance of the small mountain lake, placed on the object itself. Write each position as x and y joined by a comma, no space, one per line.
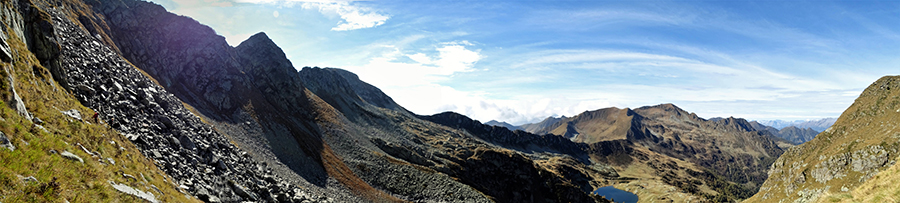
620,196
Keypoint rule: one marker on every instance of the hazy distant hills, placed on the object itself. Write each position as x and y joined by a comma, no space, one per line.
504,124
818,125
797,132
534,127
791,133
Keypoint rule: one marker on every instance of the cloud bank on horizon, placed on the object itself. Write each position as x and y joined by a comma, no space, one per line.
521,62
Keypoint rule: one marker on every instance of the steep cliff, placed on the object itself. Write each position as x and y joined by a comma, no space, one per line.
200,160
862,143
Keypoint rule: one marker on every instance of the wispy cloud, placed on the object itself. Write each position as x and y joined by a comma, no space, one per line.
530,61
411,76
353,17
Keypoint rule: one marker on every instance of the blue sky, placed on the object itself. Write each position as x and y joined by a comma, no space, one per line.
522,61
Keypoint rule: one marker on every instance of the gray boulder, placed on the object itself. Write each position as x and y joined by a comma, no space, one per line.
70,155
4,142
72,113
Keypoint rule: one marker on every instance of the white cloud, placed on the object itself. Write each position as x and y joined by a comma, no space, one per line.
414,83
353,17
452,58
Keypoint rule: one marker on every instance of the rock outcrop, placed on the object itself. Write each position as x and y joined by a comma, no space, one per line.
862,143
5,143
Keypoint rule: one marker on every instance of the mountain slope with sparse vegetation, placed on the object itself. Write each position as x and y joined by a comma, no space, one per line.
848,161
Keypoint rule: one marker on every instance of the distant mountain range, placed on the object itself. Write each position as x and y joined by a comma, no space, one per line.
818,125
504,124
682,157
797,132
791,133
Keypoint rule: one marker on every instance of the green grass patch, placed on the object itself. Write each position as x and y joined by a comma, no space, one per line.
60,179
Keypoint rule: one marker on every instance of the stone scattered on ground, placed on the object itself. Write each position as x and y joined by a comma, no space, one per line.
70,155
29,179
4,142
72,113
132,191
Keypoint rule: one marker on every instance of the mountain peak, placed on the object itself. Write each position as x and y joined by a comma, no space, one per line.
258,38
261,45
666,107
343,89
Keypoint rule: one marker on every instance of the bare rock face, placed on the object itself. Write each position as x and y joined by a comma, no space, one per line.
343,89
15,101
153,119
5,143
863,142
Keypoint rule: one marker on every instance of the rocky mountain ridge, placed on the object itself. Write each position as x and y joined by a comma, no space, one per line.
504,124
323,129
730,148
862,143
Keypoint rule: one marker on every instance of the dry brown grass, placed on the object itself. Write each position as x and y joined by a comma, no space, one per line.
334,164
872,120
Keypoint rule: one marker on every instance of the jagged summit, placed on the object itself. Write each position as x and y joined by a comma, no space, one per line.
261,47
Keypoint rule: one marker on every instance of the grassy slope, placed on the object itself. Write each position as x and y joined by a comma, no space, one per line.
870,121
74,181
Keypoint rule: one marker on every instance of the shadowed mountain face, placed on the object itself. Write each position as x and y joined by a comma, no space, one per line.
862,143
251,92
323,130
93,49
504,124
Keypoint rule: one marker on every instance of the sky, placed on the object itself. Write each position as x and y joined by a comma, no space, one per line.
523,61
